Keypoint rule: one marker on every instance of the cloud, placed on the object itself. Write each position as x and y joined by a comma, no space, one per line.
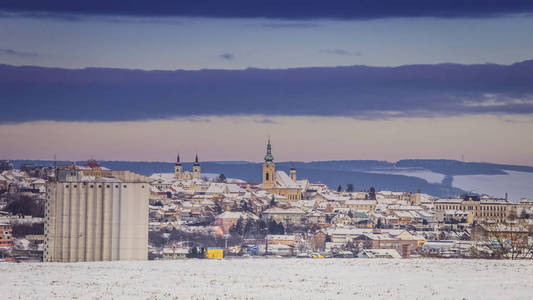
290,25
275,9
12,52
227,56
341,52
75,17
96,94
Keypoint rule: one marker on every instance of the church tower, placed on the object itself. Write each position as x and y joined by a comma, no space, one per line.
177,168
269,168
293,174
196,168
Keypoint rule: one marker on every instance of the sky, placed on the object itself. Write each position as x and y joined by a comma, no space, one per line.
325,79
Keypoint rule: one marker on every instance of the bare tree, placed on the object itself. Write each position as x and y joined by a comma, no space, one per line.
508,240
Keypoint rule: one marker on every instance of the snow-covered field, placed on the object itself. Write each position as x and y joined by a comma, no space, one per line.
271,279
429,176
517,184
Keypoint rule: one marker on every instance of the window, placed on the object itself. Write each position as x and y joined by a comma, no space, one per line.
267,177
125,186
107,186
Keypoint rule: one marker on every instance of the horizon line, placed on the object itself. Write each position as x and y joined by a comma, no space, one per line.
256,162
262,68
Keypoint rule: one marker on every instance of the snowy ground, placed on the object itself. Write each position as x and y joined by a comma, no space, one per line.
516,184
429,176
271,279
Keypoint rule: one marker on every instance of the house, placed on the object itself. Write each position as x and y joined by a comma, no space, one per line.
363,205
401,241
404,217
281,239
341,220
500,232
279,249
481,209
229,189
447,248
227,219
6,235
4,183
286,216
175,253
318,241
316,217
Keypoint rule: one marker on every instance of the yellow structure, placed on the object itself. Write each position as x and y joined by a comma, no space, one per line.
178,169
196,168
278,182
180,174
483,209
269,168
293,174
214,253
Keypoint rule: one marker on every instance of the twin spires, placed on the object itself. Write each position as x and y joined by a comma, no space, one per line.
178,161
196,163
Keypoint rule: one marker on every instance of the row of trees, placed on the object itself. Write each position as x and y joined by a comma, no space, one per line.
349,188
256,228
25,205
21,230
164,237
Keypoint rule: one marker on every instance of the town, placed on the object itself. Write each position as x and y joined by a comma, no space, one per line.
91,213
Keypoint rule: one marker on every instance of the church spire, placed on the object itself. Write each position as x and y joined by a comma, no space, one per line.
268,157
178,160
196,163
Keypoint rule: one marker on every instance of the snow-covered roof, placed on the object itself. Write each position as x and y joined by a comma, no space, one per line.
404,207
360,202
281,237
236,215
373,253
303,184
279,210
449,201
284,181
233,188
403,214
216,188
38,181
333,196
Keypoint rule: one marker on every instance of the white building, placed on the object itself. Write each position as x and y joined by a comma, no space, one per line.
96,218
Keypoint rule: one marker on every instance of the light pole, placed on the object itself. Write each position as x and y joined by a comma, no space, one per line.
226,237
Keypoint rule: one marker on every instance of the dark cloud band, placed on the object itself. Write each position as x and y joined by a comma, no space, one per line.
278,9
36,93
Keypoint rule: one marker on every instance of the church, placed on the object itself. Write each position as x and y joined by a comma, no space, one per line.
278,182
178,170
